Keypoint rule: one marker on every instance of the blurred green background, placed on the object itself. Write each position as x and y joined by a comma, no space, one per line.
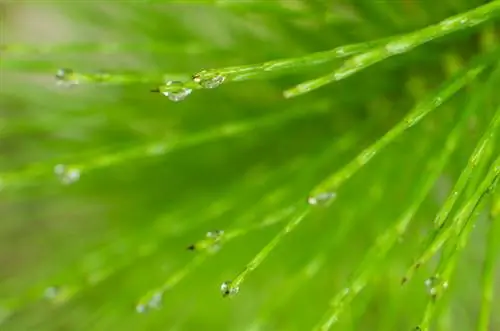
152,177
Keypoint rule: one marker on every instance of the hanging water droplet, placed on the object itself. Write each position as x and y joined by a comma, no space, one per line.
228,289
177,92
67,175
66,77
141,308
209,83
322,199
156,301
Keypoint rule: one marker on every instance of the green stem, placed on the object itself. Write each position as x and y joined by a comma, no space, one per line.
401,44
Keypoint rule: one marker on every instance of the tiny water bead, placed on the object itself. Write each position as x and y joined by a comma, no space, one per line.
51,292
176,91
209,83
434,284
66,77
211,243
67,175
322,199
155,302
228,289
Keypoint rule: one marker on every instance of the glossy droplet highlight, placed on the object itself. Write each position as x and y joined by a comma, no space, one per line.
435,285
156,301
67,175
211,243
321,199
209,83
66,77
141,308
228,289
177,91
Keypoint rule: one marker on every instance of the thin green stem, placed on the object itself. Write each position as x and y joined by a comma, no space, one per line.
156,148
384,243
442,235
401,44
296,219
423,108
254,71
478,156
492,253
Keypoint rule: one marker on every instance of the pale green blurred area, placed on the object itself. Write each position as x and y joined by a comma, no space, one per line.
121,231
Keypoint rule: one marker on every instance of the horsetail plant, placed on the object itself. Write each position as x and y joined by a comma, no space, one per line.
342,158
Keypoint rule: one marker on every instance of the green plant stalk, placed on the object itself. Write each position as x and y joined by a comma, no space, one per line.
253,71
401,44
205,244
423,108
479,155
447,265
157,148
441,236
488,275
296,219
388,239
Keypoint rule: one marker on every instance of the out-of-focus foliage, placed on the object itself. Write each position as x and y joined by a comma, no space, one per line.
123,210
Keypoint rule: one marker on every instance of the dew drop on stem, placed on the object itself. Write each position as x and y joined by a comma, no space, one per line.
177,91
209,83
322,199
67,175
228,289
66,77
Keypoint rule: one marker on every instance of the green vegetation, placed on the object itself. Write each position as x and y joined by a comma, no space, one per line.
250,165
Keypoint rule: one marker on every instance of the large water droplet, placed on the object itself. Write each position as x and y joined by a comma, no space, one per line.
67,175
178,91
228,289
209,82
321,199
66,77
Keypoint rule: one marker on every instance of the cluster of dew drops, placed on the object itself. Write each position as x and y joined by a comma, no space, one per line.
176,90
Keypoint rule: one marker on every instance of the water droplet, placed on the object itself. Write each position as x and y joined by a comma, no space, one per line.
51,292
209,82
215,234
228,289
322,199
156,301
141,308
178,92
434,284
66,77
398,47
366,156
67,175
